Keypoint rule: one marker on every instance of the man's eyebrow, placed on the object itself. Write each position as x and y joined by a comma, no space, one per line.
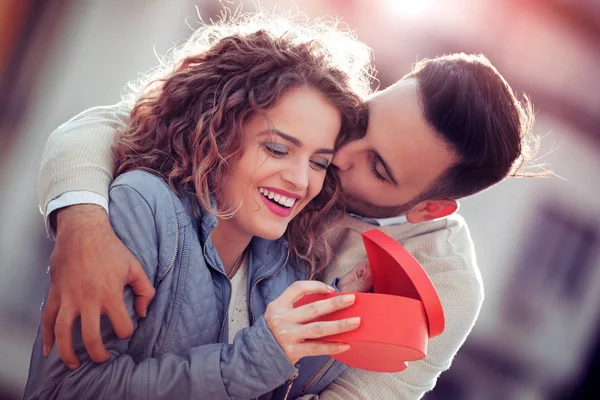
294,140
388,171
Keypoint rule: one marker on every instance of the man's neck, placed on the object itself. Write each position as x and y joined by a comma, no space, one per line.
387,221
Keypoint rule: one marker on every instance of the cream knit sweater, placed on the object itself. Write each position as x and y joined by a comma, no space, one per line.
78,158
445,251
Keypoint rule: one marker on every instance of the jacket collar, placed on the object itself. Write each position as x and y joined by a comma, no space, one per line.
266,256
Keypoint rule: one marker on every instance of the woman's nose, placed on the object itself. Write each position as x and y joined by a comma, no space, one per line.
297,176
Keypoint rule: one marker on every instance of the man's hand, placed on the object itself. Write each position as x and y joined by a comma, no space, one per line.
89,268
359,279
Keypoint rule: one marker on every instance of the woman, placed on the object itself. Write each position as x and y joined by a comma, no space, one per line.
223,157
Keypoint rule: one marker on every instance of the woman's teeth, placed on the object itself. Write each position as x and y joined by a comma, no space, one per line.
277,198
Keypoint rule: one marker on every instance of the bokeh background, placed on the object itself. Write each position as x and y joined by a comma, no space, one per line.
537,240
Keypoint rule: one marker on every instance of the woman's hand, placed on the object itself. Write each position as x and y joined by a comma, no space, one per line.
291,326
360,279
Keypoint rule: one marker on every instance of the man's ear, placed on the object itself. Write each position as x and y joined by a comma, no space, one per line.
431,209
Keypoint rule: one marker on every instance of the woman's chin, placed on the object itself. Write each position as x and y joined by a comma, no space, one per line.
270,232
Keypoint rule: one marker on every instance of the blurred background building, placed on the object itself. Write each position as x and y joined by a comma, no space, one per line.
537,240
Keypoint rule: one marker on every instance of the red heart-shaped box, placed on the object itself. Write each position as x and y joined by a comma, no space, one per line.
397,319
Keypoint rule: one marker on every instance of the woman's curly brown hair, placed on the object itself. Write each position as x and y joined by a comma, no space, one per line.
186,126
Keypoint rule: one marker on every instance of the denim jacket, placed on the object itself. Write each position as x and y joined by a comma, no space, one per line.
177,350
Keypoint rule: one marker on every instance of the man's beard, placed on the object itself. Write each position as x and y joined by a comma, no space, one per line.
366,209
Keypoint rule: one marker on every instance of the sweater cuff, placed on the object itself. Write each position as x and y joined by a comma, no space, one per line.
86,179
70,199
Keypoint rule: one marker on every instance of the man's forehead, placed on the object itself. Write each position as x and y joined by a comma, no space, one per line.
395,110
400,134
396,92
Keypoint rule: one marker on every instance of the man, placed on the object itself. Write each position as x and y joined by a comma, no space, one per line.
449,129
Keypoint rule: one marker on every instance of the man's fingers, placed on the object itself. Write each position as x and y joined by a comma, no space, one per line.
366,279
319,308
358,280
327,328
48,321
120,319
90,331
63,331
299,289
142,287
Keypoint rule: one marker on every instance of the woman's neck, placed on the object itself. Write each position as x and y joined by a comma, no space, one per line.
230,242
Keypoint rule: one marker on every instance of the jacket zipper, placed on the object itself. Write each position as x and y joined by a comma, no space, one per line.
318,375
228,281
289,388
172,263
253,318
251,312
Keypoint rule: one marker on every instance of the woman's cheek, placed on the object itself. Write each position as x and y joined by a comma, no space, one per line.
316,187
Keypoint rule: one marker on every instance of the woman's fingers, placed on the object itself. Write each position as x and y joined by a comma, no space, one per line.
291,327
310,311
299,289
321,329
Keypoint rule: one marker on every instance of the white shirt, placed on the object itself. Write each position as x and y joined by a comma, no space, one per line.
237,313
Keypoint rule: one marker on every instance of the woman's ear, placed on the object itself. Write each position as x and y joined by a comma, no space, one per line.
431,209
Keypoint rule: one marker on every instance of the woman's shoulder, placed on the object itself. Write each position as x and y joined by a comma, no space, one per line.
143,182
139,187
149,187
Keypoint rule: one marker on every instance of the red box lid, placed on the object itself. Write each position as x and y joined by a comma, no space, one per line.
397,272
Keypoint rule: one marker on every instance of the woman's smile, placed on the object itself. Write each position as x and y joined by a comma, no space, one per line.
278,201
287,149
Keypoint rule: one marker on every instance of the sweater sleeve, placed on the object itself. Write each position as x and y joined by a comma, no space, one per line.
78,154
448,256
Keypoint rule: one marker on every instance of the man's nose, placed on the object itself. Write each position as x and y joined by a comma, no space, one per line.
297,176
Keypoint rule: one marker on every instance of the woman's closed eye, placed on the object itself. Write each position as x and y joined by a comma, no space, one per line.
279,150
320,163
275,149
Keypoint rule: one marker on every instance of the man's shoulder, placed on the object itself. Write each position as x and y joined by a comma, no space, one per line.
115,115
446,250
442,246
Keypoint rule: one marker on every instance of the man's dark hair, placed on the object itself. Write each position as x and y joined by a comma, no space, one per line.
474,110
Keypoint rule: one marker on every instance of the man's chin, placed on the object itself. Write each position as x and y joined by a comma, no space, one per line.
368,210
362,208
